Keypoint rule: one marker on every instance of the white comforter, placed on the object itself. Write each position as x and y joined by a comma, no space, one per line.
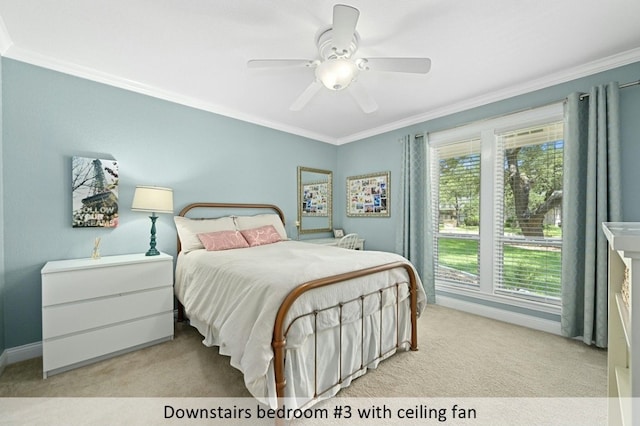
232,296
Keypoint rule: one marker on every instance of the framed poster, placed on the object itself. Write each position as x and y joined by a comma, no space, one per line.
315,199
368,195
94,192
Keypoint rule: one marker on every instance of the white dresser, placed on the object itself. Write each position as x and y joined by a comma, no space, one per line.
96,308
623,354
332,242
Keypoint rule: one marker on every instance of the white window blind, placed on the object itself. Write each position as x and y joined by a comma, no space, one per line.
455,172
528,191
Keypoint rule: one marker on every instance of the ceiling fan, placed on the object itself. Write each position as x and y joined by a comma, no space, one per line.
337,68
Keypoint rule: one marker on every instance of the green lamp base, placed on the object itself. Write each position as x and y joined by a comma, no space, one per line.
152,252
152,245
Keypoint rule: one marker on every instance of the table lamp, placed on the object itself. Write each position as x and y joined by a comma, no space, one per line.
152,199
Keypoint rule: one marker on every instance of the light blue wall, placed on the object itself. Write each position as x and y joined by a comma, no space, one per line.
630,134
384,152
50,117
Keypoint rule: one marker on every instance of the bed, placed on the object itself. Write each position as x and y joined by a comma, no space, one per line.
300,320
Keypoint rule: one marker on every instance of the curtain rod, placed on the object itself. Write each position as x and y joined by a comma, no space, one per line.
583,96
622,86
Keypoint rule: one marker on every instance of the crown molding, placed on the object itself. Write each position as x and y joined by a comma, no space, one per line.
9,50
605,64
92,74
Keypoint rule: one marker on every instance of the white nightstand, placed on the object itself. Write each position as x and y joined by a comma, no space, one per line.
95,309
333,242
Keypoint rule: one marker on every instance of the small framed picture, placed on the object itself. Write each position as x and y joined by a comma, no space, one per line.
338,233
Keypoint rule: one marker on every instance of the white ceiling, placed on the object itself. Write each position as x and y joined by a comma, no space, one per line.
195,52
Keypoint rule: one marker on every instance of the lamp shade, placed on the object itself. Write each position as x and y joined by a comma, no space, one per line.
152,199
336,73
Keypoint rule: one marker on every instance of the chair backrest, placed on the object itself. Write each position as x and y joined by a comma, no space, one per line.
349,241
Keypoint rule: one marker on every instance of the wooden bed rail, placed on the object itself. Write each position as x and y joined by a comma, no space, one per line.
279,340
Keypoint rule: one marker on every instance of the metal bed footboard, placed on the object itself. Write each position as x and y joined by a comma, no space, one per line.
281,328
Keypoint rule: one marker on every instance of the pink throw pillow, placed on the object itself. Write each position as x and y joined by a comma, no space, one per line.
263,235
222,240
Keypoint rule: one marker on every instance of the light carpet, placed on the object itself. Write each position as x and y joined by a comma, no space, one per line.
460,355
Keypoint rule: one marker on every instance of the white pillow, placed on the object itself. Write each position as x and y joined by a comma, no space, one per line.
188,230
251,222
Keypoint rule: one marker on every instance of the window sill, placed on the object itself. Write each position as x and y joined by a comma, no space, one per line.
499,299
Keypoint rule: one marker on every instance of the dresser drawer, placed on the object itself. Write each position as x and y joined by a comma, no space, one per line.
81,284
81,347
74,317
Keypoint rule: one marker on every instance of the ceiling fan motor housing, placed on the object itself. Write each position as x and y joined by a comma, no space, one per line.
328,51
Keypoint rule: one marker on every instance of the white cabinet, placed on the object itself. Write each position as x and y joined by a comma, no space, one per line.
96,308
624,323
332,242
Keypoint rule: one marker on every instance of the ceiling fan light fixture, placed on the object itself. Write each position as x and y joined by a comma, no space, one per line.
336,73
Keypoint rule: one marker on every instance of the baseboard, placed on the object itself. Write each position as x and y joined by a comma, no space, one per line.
499,314
24,352
3,361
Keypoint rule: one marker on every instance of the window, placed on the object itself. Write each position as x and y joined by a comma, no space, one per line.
498,188
458,217
527,257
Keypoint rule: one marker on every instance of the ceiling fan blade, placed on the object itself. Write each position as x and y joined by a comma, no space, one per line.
362,98
279,63
412,65
345,19
306,96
